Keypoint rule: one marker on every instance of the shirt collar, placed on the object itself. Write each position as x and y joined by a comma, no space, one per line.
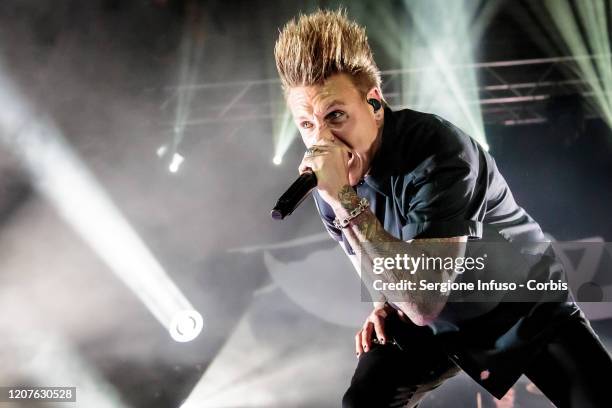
383,162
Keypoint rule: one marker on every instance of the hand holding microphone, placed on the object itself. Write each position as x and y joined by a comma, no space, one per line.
329,161
325,166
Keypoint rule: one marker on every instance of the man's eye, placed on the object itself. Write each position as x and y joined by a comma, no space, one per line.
306,125
335,115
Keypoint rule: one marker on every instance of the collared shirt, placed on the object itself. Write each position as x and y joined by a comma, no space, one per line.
429,179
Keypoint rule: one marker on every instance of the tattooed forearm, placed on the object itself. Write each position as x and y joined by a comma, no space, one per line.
366,226
348,197
369,229
367,236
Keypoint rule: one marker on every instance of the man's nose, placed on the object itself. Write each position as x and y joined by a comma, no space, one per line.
324,135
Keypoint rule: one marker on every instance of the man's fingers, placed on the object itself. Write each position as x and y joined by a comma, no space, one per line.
319,149
379,328
315,156
305,166
366,336
311,160
323,149
358,347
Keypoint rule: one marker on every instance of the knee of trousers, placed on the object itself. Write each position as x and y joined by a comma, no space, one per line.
354,398
360,397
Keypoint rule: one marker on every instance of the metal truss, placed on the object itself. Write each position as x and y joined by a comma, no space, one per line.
509,92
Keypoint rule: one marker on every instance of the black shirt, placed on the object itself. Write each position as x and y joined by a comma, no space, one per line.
431,180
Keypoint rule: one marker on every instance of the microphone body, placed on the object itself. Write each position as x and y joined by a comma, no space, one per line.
294,195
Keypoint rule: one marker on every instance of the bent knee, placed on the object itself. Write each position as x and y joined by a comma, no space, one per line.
354,398
360,397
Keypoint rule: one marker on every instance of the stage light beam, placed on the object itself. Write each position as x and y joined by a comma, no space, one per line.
585,35
60,176
434,44
284,131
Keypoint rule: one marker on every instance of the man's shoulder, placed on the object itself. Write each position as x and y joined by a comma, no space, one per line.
404,121
407,113
421,137
410,119
430,129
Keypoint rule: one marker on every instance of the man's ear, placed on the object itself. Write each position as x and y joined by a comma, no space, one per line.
375,93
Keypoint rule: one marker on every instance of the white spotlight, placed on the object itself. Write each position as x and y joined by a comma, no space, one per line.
277,160
186,325
161,150
61,177
177,159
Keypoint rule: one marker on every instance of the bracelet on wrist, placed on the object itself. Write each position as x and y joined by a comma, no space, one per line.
343,223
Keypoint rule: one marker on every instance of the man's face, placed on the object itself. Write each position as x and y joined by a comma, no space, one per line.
336,110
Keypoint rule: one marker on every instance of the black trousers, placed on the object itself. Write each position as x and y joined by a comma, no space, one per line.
573,370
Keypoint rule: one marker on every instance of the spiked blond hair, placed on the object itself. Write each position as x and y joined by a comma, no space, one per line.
321,44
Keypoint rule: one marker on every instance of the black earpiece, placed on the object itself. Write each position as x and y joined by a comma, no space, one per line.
375,104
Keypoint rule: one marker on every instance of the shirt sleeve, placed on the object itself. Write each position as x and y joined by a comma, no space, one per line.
445,196
327,217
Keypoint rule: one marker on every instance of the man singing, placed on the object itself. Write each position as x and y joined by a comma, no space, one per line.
415,183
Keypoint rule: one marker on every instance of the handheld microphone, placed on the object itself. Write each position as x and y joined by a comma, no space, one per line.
294,195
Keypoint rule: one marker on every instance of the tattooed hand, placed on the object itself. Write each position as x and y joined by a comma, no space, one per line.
329,161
